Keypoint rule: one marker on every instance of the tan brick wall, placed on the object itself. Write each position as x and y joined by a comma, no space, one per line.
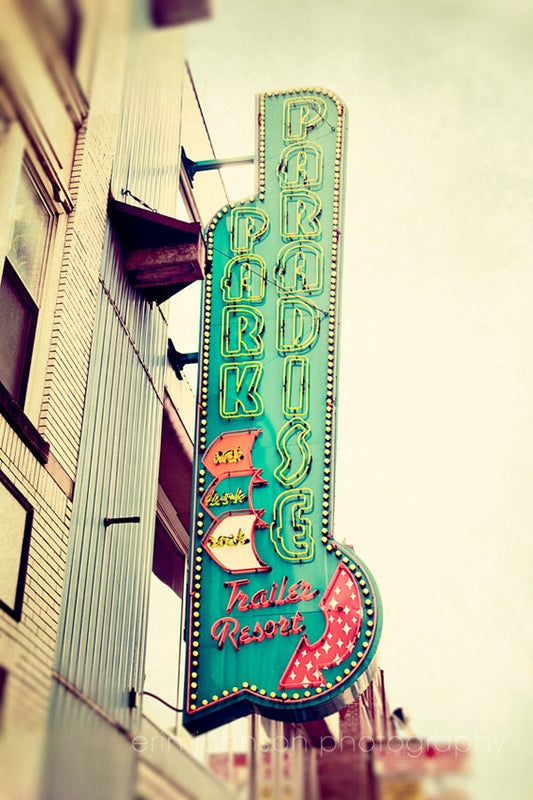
27,647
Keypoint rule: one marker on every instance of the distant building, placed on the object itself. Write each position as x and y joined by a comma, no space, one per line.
376,757
345,763
274,760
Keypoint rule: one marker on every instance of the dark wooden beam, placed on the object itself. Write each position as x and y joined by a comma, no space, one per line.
179,12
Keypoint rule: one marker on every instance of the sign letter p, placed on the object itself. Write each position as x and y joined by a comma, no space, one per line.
248,225
301,115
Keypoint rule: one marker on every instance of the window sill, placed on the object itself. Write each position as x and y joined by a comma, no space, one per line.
20,423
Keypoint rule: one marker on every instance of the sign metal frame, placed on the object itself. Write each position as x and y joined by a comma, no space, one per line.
281,619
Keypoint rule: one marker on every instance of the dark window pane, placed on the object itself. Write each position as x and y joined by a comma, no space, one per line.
18,315
3,684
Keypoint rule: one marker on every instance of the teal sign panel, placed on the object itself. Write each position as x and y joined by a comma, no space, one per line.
282,619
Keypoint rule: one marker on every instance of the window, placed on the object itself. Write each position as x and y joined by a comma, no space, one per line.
3,684
163,648
31,224
65,18
19,316
15,528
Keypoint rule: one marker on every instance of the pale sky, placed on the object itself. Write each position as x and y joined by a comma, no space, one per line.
435,422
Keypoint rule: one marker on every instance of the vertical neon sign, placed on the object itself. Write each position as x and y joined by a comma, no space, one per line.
281,618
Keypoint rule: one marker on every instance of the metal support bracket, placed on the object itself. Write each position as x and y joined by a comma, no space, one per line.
179,360
192,167
120,520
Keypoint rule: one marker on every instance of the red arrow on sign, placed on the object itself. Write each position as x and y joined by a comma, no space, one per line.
342,607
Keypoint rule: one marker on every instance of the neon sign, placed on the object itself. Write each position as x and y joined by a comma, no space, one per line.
281,618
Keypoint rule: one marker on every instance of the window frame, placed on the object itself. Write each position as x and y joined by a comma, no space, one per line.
28,168
19,161
16,611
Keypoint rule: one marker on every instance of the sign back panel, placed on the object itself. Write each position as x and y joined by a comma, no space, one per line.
281,618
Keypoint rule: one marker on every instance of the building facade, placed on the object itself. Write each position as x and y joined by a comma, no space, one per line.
345,765
95,105
101,250
376,756
47,307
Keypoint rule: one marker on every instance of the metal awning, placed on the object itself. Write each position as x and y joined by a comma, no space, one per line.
162,254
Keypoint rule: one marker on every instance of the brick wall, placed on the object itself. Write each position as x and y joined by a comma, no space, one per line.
27,646
345,771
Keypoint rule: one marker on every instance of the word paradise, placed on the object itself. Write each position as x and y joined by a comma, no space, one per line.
281,617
